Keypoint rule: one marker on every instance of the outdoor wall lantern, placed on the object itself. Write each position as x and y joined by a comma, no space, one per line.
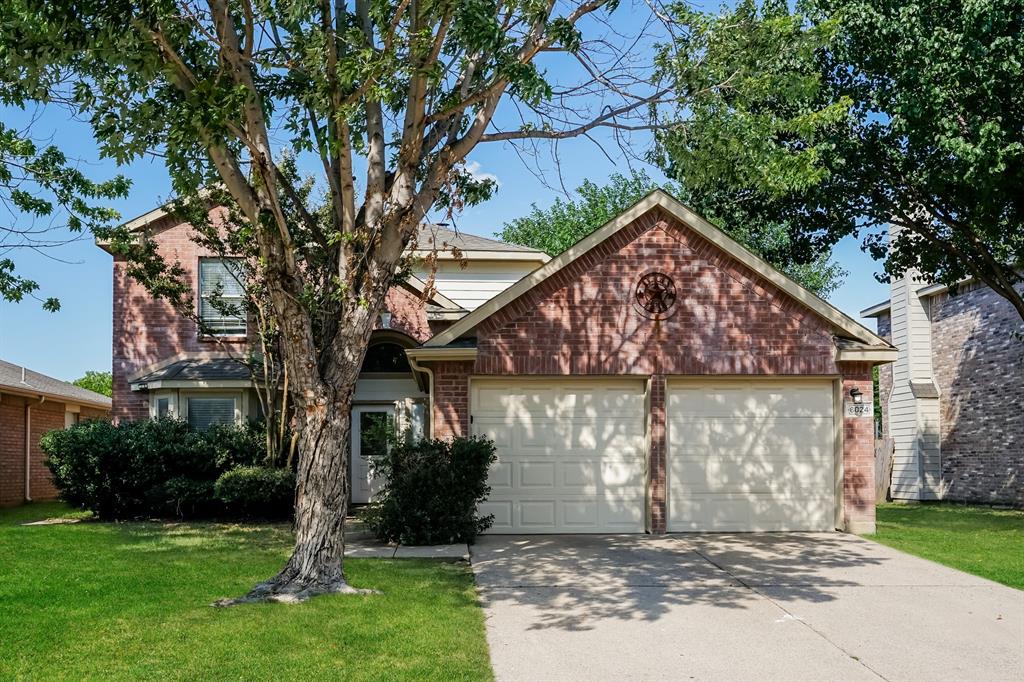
857,396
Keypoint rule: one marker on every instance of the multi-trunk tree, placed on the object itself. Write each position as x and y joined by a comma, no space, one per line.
386,99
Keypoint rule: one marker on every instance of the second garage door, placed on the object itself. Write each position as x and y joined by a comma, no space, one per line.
570,454
751,455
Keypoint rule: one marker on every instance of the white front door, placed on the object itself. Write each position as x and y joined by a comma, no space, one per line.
753,455
570,454
364,418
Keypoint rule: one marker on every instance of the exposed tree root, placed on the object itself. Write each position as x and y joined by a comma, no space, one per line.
290,592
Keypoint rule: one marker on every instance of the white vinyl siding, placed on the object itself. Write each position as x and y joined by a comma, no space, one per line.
751,455
479,281
571,454
913,422
220,277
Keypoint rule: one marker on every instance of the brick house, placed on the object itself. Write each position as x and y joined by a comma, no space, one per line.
951,403
30,405
656,376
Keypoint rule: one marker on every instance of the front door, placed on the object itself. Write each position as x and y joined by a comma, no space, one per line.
364,419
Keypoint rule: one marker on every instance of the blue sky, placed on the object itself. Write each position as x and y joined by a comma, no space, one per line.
78,338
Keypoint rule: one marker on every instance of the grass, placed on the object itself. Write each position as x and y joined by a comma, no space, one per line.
131,600
980,540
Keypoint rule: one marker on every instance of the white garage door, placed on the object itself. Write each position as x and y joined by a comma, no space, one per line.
751,456
570,454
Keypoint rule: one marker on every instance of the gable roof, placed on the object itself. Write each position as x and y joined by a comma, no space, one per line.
842,323
23,381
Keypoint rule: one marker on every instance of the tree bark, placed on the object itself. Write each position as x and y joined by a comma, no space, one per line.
321,505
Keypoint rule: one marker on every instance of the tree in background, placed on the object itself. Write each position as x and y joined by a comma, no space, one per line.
564,223
848,115
388,98
97,382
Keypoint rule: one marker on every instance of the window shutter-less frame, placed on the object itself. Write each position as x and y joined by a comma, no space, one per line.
206,412
215,274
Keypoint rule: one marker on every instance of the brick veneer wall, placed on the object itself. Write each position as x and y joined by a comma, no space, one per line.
728,321
45,417
858,455
148,331
978,367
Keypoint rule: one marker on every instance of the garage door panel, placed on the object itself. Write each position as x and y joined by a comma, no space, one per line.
575,450
741,399
755,455
744,513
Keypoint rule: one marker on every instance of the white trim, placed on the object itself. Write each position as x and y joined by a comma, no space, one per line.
184,383
419,286
867,355
483,254
422,353
659,199
876,309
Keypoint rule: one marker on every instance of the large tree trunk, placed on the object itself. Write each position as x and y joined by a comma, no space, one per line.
321,504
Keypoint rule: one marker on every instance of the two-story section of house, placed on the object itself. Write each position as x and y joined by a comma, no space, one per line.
164,367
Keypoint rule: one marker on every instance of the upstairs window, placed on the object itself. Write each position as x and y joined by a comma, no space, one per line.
221,306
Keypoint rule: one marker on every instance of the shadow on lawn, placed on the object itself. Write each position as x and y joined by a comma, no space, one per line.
572,581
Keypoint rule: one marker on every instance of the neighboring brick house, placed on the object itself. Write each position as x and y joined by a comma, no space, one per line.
655,377
952,401
30,405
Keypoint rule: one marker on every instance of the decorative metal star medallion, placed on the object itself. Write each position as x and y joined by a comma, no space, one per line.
656,293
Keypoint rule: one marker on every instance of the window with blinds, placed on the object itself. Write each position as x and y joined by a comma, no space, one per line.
206,412
221,296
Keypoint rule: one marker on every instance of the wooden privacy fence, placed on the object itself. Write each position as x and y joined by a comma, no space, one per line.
883,468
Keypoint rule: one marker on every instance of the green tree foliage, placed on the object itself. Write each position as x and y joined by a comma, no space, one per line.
561,225
47,199
387,99
847,115
98,382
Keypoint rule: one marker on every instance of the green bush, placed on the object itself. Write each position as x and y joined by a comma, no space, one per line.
158,467
430,490
257,492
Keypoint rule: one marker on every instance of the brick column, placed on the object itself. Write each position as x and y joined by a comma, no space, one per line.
451,399
658,490
858,455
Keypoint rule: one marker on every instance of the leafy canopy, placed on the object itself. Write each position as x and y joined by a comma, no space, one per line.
98,382
845,116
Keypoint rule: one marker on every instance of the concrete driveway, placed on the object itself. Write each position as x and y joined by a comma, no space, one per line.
786,606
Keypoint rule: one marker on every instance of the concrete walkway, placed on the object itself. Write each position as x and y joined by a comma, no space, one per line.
361,544
795,606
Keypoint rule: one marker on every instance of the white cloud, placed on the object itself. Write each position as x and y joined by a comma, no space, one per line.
473,168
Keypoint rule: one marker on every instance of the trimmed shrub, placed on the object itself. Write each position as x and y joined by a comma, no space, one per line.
430,490
159,467
257,492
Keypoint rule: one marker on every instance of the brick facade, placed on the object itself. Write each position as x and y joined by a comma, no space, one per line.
148,332
728,321
978,369
978,366
858,455
45,416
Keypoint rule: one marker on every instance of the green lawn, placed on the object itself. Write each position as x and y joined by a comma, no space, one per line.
979,540
131,600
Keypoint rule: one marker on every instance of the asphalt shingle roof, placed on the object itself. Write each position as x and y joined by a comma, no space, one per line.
23,379
431,236
216,369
